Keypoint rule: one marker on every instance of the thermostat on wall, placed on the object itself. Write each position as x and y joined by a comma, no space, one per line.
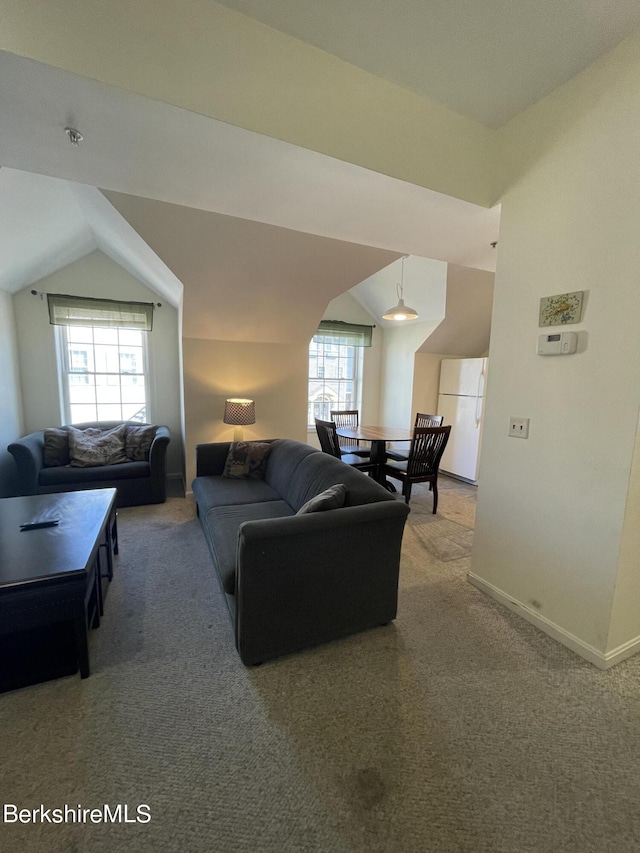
560,343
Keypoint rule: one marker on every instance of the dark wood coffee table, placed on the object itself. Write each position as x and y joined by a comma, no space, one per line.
56,574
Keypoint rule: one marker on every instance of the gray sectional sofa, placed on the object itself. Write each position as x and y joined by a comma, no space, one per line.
293,581
137,482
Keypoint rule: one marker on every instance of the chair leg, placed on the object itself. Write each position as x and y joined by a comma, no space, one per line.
434,483
407,491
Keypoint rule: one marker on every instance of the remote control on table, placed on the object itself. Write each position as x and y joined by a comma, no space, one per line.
34,525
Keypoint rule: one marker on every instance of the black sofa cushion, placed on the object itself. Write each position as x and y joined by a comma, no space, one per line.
228,491
138,441
68,475
221,526
331,498
56,447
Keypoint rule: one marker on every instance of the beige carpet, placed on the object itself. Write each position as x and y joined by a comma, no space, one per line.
458,728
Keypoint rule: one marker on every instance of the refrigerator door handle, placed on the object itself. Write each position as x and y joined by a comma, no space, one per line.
479,398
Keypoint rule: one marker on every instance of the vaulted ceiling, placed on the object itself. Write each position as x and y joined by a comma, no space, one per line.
261,234
486,59
181,179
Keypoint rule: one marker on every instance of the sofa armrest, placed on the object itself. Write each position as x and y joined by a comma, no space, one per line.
157,464
28,452
304,580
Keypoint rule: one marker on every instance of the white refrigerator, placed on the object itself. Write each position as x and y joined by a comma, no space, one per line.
461,403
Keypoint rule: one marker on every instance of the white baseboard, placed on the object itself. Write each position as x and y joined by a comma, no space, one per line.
603,660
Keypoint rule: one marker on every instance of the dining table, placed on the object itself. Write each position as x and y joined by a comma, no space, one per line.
378,436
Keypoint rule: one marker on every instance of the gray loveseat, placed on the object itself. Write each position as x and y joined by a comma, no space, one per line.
140,482
293,581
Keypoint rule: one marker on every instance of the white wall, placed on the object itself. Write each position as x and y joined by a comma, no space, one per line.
273,375
98,276
426,382
551,509
626,601
11,420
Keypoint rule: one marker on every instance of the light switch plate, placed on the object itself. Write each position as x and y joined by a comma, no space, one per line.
519,427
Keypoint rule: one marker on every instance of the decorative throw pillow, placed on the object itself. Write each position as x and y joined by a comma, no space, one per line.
247,460
56,448
138,441
106,448
332,498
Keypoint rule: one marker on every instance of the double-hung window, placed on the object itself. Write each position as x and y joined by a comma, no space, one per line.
335,368
105,374
102,355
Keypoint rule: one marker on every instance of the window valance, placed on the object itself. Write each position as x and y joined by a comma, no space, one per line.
107,313
346,334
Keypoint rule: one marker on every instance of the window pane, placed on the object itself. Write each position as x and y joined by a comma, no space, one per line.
131,360
82,413
107,391
105,336
80,334
133,394
109,413
78,359
130,337
106,377
82,393
134,413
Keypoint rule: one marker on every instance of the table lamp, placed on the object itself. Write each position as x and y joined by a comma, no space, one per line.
239,413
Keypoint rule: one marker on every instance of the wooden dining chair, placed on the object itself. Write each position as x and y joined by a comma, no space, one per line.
427,447
422,420
329,444
349,418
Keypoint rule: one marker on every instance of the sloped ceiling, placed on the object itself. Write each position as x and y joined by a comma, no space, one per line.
142,147
424,282
42,228
47,223
466,327
260,233
248,281
487,59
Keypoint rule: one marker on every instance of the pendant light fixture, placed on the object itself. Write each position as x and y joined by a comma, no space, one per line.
400,311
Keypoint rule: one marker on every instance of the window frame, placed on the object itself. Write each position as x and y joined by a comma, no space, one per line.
324,381
64,372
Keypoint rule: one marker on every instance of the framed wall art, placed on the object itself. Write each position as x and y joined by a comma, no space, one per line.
561,309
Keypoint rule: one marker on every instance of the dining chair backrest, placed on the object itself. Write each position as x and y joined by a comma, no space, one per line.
328,438
346,418
423,420
427,447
